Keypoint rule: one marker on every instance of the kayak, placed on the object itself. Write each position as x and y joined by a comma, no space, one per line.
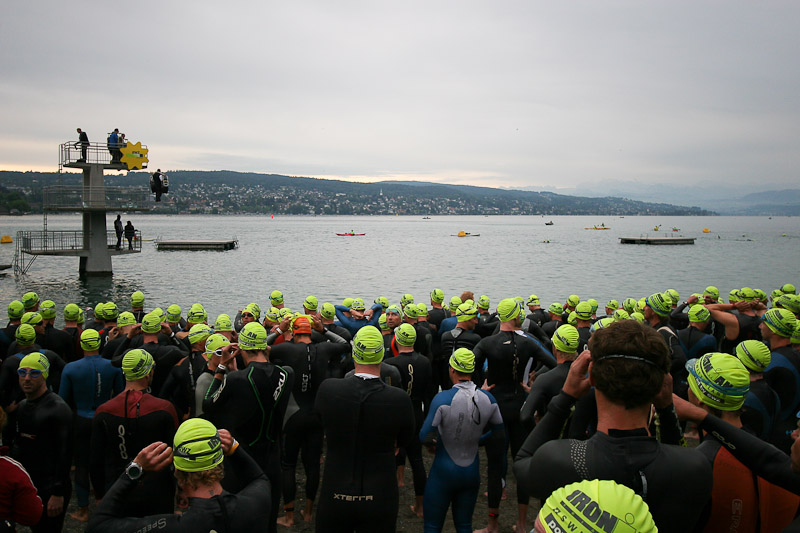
350,234
465,234
597,227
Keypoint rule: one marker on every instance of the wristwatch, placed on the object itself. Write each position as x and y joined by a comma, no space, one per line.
221,369
133,471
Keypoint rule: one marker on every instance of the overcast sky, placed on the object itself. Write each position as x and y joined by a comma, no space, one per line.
494,93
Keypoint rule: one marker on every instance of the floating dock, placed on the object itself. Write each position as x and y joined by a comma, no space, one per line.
657,240
198,245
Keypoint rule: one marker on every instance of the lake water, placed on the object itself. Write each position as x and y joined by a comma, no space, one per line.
303,255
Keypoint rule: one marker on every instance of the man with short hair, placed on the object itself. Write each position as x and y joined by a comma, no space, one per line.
83,140
197,454
122,427
43,440
629,364
394,317
118,229
85,384
359,485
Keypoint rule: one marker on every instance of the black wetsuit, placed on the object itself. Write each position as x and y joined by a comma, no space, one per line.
417,380
696,343
359,486
511,356
7,336
680,375
450,342
60,342
436,315
550,327
179,387
657,472
748,329
678,319
424,342
251,404
120,429
43,444
226,512
783,375
302,430
389,374
544,388
539,316
583,338
486,324
9,381
761,408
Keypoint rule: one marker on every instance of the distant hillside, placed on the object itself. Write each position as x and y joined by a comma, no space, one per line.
216,191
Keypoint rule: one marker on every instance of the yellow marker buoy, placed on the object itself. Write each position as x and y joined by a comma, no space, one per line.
6,239
706,230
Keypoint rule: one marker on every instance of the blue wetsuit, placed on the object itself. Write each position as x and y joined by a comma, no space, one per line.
460,414
447,324
354,324
85,385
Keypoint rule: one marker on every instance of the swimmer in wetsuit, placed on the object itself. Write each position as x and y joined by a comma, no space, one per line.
783,372
43,441
359,486
460,417
251,403
85,385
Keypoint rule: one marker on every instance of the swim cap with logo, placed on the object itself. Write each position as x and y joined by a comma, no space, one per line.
311,303
565,339
637,316
394,309
406,299
410,311
151,323
781,321
621,314
733,296
125,319
382,325
658,304
572,318
583,311
760,295
284,312
174,313
508,309
253,309
110,311
463,360
199,333
711,291
276,297
594,303
253,337
533,300
602,323
674,295
71,312
422,310
347,302
328,311
197,446
483,302
595,506
437,296
573,300
273,315
47,309
747,294
301,325
719,380
223,323
556,309
90,340
755,355
405,334
213,343
31,317
455,301
36,361
796,334
383,300
25,335
613,305
15,310
98,311
788,288
790,302
698,313
196,314
30,299
368,346
777,293
136,364
137,299
629,305
358,304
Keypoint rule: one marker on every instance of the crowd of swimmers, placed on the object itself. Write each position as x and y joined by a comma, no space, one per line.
177,422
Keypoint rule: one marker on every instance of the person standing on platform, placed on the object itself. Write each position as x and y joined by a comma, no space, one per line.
119,230
156,184
130,233
83,140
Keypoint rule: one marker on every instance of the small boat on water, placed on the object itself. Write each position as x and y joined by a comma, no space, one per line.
351,234
465,234
426,218
600,227
675,229
548,223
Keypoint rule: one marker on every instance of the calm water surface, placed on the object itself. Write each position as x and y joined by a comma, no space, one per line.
514,256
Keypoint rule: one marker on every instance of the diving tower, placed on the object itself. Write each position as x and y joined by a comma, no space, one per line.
94,244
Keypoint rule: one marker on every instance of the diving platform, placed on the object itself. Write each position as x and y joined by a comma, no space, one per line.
198,245
657,240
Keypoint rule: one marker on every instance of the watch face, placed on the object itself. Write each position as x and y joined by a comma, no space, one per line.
133,471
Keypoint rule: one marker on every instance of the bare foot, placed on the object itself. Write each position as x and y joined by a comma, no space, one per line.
308,511
415,511
487,530
519,527
286,520
81,515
